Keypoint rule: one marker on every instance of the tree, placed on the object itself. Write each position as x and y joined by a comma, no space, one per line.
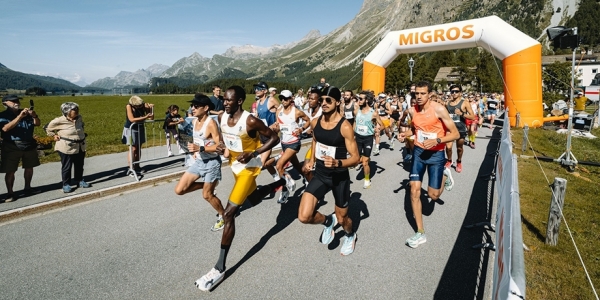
38,91
464,68
585,19
557,77
488,74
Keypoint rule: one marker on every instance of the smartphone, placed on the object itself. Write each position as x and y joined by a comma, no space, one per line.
30,104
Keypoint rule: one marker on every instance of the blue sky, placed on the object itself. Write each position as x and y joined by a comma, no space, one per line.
90,40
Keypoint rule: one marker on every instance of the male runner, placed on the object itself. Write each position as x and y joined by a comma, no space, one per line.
314,111
492,109
288,119
265,110
459,110
207,148
333,139
240,132
432,127
349,106
380,107
364,129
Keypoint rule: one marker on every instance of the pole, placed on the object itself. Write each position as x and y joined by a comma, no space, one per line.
559,188
410,74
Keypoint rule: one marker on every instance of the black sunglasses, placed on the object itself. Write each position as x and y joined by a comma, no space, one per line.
329,100
454,91
197,105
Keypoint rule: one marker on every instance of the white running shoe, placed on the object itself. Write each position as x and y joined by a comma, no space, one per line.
449,184
210,280
283,197
328,233
348,245
367,184
416,240
169,154
290,183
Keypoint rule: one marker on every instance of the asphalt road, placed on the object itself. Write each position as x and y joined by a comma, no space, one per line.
149,243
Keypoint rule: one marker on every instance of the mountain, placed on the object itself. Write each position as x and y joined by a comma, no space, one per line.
10,79
138,78
338,55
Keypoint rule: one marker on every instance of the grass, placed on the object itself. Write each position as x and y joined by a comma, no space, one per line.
555,272
104,117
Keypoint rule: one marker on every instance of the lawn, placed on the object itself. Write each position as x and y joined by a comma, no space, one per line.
555,272
104,117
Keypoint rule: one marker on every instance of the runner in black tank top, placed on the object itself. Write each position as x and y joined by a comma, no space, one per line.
333,140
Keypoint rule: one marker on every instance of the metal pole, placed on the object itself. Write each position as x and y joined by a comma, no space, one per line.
567,158
410,74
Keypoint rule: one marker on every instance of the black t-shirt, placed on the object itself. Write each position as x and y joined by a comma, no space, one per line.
218,103
171,118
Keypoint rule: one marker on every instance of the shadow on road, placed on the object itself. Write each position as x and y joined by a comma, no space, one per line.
465,273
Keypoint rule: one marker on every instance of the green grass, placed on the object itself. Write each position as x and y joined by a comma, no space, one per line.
104,117
555,272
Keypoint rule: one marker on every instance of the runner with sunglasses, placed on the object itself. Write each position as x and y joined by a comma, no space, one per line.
265,110
333,138
364,130
459,110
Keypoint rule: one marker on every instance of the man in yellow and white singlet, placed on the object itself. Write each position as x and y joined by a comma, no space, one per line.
240,132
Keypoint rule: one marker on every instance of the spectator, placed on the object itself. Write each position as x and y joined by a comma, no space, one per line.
273,92
18,144
172,119
217,101
134,132
70,144
299,100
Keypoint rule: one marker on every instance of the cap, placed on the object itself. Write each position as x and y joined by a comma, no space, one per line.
580,93
332,92
382,95
261,85
285,94
10,98
203,100
272,89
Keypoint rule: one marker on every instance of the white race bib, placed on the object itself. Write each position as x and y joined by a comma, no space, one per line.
492,105
394,107
322,150
349,115
423,136
285,129
362,129
233,142
455,117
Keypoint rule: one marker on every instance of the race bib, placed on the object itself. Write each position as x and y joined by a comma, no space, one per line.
285,129
324,150
455,117
423,136
492,105
233,142
349,115
394,107
362,129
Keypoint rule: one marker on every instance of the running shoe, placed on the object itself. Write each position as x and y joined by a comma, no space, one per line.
83,184
169,153
67,188
328,233
210,280
473,145
416,240
449,184
367,184
219,225
376,151
458,167
392,145
290,183
448,164
283,197
348,244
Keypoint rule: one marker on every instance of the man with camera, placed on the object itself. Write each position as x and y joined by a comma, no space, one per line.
18,143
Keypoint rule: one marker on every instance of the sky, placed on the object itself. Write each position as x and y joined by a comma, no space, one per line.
89,40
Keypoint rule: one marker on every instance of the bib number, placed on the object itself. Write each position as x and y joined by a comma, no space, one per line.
349,115
492,105
285,129
362,129
324,150
455,118
423,136
233,142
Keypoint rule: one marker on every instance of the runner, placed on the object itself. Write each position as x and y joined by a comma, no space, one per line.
459,111
288,117
492,109
380,106
207,149
433,127
349,106
472,125
314,111
333,138
241,133
364,130
265,110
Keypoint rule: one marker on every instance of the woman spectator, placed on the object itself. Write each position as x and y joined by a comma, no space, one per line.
135,135
70,144
172,119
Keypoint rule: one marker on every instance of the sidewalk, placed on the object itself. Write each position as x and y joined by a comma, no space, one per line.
106,173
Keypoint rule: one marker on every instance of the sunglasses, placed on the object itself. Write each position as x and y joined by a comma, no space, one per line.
286,99
454,91
329,100
197,105
259,89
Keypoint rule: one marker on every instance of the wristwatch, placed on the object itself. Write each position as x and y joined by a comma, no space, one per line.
438,140
339,163
255,154
202,149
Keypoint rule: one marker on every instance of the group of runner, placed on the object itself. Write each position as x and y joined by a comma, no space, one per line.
345,131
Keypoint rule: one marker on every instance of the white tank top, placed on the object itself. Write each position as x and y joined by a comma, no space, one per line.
200,138
287,125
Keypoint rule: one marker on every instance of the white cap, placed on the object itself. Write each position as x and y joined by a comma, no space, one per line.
580,93
285,94
272,89
382,95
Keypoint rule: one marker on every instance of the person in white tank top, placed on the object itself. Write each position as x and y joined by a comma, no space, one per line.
314,111
206,148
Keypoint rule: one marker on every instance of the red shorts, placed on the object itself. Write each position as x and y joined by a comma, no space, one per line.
469,121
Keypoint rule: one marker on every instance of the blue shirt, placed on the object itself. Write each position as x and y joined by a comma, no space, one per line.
22,132
264,113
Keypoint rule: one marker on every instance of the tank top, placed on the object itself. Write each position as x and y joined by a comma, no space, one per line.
428,126
329,143
381,110
451,110
263,112
492,104
364,123
200,138
287,125
474,108
237,141
136,114
349,111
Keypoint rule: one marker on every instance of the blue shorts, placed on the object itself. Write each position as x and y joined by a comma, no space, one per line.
209,170
490,112
294,146
431,160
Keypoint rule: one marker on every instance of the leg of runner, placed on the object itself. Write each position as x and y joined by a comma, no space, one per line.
448,163
366,170
290,185
459,153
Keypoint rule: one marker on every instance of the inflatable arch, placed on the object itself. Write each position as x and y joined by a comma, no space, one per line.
520,54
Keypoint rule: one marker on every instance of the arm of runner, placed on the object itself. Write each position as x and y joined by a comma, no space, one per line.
273,104
254,124
470,114
300,115
377,118
452,132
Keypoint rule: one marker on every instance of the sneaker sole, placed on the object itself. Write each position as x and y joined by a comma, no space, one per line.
212,285
416,245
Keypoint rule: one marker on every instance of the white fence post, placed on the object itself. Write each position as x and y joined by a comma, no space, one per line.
559,188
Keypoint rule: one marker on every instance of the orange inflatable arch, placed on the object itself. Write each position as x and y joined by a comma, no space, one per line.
520,54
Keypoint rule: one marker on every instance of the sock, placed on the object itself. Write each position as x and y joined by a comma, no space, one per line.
349,234
367,177
222,257
328,221
422,231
